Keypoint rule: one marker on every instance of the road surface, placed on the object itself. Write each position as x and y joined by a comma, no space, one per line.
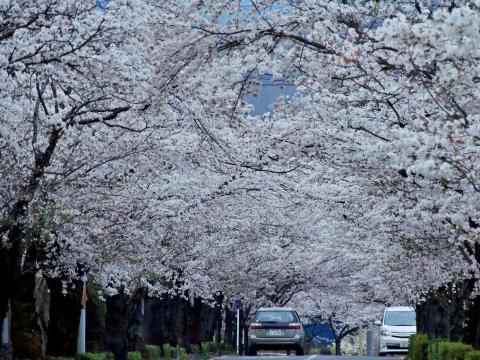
279,356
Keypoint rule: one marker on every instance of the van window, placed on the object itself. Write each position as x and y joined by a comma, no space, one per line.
400,318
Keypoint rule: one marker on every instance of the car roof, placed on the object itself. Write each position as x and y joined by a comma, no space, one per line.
400,308
275,309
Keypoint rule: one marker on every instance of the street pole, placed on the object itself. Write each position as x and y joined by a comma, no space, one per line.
5,331
369,342
83,318
238,331
5,339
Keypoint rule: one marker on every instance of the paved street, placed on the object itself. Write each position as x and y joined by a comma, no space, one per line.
280,356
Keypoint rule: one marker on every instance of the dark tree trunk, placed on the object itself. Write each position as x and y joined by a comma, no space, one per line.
218,318
29,311
194,327
154,327
64,319
4,281
26,331
338,344
136,340
181,323
472,328
229,328
442,315
95,332
116,325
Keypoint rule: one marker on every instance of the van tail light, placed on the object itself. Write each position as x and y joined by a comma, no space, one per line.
295,326
255,326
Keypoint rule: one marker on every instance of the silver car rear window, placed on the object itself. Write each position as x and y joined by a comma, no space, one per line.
275,317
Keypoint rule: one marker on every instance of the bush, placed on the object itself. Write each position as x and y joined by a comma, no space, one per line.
208,347
325,350
169,351
182,354
445,350
417,347
153,352
134,355
433,349
196,349
226,348
457,351
95,356
473,355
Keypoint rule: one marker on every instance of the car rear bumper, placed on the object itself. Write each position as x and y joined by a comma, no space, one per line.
269,342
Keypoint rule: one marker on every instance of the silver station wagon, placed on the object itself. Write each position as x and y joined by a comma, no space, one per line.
276,329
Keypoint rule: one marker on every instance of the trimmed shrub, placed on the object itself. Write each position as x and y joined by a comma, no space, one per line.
153,352
209,347
196,349
446,350
95,356
433,349
417,347
226,348
169,351
325,350
473,355
134,355
457,351
182,354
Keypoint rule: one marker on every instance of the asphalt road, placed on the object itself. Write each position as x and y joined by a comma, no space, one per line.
271,356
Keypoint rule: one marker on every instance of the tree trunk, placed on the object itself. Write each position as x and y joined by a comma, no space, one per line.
29,303
4,281
218,318
116,325
136,341
195,321
472,327
95,332
27,329
64,319
442,315
338,346
154,327
229,328
181,322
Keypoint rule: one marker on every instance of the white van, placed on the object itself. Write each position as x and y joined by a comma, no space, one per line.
399,322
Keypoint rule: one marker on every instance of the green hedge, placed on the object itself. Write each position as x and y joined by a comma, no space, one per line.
95,356
169,351
421,348
209,347
417,347
134,355
446,350
473,355
153,352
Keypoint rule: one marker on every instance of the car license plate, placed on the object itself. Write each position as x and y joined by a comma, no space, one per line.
275,332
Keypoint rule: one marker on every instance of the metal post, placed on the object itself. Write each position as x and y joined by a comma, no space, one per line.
5,338
5,331
238,331
83,318
369,342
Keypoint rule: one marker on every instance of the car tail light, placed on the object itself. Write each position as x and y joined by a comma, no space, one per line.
255,326
295,326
